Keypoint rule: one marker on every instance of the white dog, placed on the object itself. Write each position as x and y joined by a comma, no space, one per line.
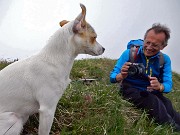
36,84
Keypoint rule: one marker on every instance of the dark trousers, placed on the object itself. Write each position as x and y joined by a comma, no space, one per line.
158,107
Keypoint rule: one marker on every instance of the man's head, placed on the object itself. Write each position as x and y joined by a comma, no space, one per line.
155,39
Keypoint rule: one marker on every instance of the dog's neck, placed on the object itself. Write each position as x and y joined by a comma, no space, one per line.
59,49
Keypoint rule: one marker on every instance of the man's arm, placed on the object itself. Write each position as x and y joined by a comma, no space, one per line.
115,75
166,85
167,74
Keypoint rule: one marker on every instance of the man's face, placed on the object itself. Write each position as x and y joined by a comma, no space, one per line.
153,43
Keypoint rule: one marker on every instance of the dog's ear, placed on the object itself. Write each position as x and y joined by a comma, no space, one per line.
80,22
63,22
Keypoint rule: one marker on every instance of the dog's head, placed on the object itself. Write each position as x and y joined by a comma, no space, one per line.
84,36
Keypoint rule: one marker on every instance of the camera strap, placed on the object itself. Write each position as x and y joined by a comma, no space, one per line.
133,53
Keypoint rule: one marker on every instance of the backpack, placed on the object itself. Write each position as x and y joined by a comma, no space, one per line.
134,45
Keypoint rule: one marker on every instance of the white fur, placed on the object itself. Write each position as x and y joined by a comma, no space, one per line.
36,84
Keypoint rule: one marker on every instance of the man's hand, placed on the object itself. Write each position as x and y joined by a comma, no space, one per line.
155,84
124,72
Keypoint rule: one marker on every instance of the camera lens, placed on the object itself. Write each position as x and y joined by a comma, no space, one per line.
132,71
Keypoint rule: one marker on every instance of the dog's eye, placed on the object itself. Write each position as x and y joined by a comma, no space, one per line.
93,39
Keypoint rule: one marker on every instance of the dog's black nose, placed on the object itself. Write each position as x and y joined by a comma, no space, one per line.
103,49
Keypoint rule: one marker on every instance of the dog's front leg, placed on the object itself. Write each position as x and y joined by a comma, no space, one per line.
47,109
46,116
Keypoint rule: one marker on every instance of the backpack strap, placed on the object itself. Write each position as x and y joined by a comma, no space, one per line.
161,60
161,65
133,53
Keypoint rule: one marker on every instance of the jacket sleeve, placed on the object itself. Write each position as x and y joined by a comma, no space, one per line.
167,74
117,68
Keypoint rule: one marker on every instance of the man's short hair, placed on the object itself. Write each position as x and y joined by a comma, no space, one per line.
158,28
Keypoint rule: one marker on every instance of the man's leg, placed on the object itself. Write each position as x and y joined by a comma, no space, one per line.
169,107
146,100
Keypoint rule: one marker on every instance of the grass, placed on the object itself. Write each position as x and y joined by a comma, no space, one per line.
97,108
4,63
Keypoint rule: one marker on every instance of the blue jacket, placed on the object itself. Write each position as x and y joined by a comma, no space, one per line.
152,68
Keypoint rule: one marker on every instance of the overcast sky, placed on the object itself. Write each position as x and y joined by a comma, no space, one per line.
26,25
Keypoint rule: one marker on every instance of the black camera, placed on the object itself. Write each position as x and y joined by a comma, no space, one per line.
136,69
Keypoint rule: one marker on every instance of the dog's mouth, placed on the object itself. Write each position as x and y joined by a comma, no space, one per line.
90,53
93,52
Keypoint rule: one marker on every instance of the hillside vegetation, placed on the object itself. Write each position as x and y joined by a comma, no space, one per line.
97,108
